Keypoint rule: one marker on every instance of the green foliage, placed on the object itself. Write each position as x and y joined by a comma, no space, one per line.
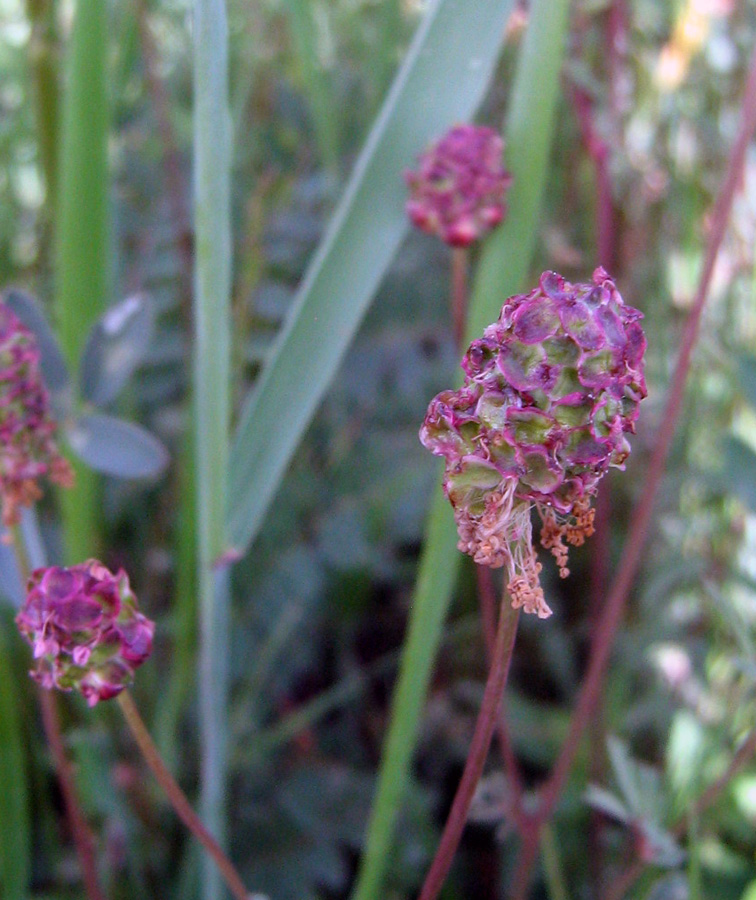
341,599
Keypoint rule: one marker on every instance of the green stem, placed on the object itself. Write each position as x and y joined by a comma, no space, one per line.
212,333
552,866
177,797
82,232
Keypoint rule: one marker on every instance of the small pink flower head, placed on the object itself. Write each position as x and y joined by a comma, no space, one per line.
27,445
85,629
551,391
457,191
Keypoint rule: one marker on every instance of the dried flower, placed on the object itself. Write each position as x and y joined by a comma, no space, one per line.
551,391
458,189
85,628
27,446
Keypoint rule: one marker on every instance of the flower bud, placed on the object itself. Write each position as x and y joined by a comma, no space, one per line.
85,629
457,191
27,446
551,391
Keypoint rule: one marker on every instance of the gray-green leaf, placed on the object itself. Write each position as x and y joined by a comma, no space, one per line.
116,447
114,348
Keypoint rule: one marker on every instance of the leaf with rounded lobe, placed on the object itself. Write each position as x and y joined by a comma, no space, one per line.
115,347
52,364
115,447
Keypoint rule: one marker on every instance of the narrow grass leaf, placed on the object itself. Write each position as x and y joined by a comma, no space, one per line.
212,287
503,267
440,82
82,270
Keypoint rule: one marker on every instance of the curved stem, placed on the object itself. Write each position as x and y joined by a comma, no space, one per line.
484,727
608,625
177,797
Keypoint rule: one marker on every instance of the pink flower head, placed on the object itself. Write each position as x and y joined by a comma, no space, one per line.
27,446
85,629
551,391
457,191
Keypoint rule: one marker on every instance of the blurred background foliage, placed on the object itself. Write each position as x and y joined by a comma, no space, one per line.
321,600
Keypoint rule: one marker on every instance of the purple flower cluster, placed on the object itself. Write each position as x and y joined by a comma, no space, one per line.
457,192
27,446
551,391
85,629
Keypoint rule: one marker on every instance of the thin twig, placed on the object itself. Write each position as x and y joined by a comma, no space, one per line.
81,833
641,519
484,728
487,597
459,262
178,798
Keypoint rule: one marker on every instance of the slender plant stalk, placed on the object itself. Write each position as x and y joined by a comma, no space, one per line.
212,328
641,519
557,888
81,833
82,236
459,262
487,598
31,555
484,729
177,797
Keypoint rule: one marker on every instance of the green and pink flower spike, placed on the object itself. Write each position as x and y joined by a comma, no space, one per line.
457,191
87,634
551,392
29,451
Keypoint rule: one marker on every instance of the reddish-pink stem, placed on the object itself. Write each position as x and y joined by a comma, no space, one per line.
82,836
487,597
177,797
484,728
641,519
459,294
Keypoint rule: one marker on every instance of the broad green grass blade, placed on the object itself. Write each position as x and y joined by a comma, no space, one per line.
529,132
82,270
212,288
15,847
441,81
315,80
